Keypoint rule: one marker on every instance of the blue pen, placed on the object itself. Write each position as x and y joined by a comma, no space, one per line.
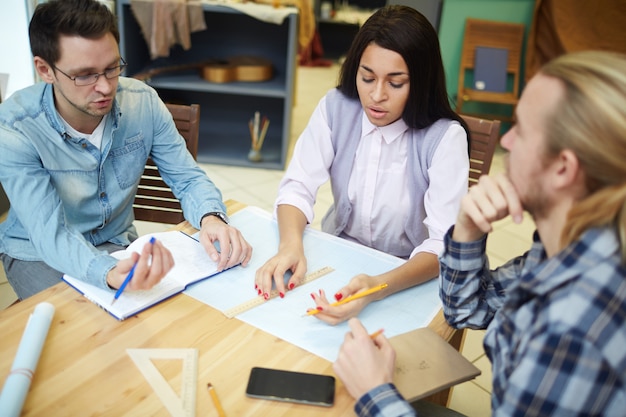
128,277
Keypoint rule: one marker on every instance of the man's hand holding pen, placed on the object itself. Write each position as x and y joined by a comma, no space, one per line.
154,262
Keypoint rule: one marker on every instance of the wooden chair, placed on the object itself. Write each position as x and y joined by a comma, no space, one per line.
155,201
492,34
484,136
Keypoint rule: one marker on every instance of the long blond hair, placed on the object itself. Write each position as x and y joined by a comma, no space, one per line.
591,121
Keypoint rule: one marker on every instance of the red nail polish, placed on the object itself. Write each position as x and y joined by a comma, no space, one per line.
256,286
259,291
266,296
313,296
320,308
282,295
338,296
291,285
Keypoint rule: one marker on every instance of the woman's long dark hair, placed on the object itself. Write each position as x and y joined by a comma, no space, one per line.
406,31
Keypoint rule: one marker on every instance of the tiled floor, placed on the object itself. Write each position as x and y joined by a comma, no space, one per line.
258,187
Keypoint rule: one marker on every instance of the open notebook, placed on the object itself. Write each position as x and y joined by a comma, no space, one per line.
192,264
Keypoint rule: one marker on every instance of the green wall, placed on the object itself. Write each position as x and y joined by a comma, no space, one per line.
452,25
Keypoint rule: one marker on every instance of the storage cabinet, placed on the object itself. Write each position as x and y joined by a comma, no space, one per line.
225,108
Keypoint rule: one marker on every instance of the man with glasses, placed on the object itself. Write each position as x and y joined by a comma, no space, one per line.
73,149
110,73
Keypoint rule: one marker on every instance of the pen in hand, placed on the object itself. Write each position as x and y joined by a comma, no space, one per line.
128,278
352,297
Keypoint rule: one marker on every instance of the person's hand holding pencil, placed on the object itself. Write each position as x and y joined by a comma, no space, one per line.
327,313
365,360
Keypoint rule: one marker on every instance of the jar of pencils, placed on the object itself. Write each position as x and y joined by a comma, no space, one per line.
258,129
254,155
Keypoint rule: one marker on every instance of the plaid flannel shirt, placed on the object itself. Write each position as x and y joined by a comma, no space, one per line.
383,401
556,331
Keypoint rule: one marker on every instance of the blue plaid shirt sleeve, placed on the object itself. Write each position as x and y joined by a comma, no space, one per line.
469,291
383,401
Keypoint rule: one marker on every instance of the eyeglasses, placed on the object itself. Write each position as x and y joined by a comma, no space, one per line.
89,79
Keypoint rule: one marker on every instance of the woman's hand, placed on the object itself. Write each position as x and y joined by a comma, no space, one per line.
290,258
338,314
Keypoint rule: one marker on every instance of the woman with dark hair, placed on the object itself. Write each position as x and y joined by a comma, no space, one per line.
396,155
405,31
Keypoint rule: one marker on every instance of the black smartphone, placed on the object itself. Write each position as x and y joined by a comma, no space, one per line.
297,387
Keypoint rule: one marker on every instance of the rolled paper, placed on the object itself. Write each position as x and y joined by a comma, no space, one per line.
18,381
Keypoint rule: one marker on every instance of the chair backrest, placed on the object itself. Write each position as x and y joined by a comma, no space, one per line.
154,201
484,136
491,34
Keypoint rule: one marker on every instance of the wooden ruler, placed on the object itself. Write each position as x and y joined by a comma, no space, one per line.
185,405
247,305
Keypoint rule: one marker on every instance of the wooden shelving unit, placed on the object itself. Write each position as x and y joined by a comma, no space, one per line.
225,108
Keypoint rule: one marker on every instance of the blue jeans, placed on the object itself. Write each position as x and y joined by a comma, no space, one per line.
30,277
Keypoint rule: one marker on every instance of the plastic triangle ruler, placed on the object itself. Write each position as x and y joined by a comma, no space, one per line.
247,305
185,405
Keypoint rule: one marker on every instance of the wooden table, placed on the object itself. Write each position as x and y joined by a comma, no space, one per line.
84,368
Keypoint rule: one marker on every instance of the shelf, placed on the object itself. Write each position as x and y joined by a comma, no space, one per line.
193,82
224,133
225,108
218,152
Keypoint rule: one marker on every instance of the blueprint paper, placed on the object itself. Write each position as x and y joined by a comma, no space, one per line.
17,384
285,318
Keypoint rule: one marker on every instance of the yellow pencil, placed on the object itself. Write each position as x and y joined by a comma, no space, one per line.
375,334
216,400
353,297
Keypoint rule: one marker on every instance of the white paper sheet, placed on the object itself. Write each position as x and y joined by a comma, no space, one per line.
283,318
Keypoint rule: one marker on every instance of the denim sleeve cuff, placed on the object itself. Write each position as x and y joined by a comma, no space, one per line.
383,401
98,270
208,207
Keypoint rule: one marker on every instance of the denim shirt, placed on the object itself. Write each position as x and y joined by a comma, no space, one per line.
67,196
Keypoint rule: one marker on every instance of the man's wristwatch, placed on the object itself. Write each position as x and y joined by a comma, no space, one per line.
223,217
